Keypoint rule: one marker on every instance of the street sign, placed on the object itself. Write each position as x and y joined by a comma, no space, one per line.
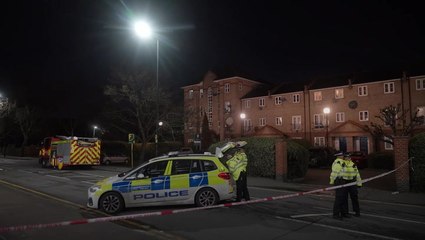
131,138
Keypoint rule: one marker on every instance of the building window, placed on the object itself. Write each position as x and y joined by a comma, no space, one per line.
362,90
319,141
190,94
247,125
261,102
201,111
296,122
387,145
296,98
201,93
227,107
364,116
389,87
278,100
247,103
262,122
340,117
339,93
420,84
227,87
318,96
240,86
210,106
318,120
278,121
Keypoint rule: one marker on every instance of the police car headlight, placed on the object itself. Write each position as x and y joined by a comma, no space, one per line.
94,188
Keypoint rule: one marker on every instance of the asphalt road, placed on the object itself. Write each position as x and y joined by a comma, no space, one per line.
32,195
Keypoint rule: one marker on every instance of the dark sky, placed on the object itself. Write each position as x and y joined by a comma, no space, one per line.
56,49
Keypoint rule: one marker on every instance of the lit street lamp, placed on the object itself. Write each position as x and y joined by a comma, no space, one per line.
144,31
326,111
242,116
94,131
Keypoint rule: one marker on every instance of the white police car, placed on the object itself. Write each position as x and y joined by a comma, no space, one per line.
190,179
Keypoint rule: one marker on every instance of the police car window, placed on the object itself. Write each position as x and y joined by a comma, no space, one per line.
196,166
180,167
208,166
154,169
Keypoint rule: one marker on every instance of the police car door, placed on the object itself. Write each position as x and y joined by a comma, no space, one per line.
180,180
151,184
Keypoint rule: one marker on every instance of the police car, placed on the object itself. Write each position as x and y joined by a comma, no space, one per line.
183,179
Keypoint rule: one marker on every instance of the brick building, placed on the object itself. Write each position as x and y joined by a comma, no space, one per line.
237,106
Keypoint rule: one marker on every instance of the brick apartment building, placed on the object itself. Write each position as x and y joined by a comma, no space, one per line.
237,106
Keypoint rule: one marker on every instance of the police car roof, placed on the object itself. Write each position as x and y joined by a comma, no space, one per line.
171,154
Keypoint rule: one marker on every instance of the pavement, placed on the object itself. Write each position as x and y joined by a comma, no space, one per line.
381,189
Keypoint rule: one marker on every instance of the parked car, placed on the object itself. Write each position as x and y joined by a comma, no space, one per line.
321,157
359,158
112,159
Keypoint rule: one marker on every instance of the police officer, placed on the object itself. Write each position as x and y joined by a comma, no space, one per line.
351,174
336,178
237,166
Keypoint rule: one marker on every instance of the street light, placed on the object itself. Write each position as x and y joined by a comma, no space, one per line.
144,31
243,116
326,111
94,130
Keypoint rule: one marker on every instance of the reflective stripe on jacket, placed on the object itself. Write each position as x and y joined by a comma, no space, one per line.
351,172
237,164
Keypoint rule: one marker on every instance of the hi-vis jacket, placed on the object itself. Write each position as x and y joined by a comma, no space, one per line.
237,164
346,170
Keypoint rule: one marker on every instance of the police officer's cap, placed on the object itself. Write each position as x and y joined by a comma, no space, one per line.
347,155
338,154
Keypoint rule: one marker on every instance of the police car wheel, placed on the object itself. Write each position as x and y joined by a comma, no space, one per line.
111,203
206,197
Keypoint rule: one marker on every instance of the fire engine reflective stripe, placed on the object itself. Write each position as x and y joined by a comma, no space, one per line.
85,155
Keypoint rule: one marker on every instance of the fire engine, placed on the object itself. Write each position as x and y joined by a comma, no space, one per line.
62,151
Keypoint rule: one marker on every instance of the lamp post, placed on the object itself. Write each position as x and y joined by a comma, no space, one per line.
144,31
326,111
242,116
94,131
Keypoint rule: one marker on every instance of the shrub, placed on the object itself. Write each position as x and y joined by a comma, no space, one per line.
417,151
261,156
381,160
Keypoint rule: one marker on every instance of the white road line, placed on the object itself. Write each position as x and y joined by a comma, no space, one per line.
59,177
91,183
94,175
311,215
338,228
25,171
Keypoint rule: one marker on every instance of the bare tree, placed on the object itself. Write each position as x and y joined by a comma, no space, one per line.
26,117
394,119
134,97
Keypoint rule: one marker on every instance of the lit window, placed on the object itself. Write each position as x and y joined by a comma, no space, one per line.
364,116
340,117
339,93
278,121
420,84
201,93
319,120
296,98
227,87
261,102
421,114
278,100
362,90
318,96
190,94
227,107
262,122
389,87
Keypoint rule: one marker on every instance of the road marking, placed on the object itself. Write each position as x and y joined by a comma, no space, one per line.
311,215
94,175
338,228
25,171
90,183
67,179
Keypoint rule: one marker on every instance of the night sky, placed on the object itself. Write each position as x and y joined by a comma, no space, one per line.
55,49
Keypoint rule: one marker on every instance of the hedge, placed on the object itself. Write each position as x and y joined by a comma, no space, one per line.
261,157
417,151
381,160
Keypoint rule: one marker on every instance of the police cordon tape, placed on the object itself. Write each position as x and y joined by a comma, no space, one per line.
168,212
